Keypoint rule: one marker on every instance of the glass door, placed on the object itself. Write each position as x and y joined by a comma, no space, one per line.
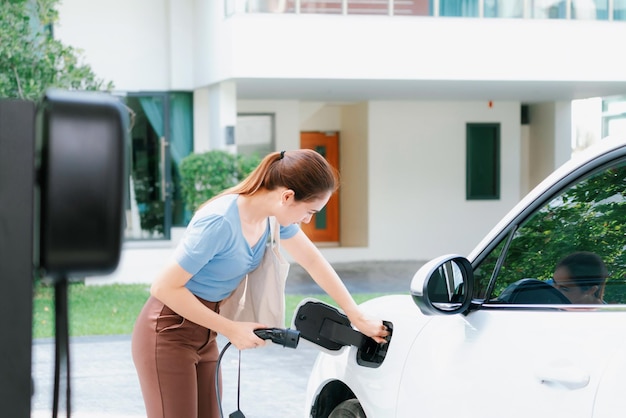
150,204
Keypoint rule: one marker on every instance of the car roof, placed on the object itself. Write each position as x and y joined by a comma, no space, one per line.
603,147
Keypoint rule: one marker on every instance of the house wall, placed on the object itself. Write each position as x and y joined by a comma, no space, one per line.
354,154
547,122
286,119
525,183
320,116
181,46
351,122
417,175
403,177
402,162
403,172
406,48
187,44
139,44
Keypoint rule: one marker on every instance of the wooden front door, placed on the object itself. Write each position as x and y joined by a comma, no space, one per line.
324,227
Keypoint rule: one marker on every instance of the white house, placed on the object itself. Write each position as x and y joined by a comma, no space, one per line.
442,114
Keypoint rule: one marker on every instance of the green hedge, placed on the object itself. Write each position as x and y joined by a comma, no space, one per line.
205,175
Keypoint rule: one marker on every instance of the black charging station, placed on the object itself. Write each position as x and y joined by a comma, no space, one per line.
80,161
62,190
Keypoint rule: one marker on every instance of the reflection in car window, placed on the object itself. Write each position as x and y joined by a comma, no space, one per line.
588,216
484,272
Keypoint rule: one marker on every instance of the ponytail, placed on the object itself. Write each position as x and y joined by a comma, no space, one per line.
304,171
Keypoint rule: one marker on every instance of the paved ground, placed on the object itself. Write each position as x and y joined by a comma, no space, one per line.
104,383
361,277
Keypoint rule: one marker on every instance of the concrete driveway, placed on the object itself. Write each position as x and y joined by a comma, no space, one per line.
104,383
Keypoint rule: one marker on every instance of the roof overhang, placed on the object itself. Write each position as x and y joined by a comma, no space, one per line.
347,90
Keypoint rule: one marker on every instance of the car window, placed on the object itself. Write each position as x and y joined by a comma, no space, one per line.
582,230
484,272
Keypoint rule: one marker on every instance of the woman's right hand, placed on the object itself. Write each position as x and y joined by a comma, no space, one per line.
242,336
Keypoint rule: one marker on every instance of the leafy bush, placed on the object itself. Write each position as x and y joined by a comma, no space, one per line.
205,175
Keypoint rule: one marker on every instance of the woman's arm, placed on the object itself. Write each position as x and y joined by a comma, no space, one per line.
305,253
169,288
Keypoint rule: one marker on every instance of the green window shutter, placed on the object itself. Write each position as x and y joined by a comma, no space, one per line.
483,161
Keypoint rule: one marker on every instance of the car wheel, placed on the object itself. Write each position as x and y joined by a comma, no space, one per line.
348,409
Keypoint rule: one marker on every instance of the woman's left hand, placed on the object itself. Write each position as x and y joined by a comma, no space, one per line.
373,328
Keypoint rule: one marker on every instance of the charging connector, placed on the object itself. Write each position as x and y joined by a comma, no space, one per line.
286,337
327,327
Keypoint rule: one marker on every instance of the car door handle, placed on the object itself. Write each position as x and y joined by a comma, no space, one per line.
568,377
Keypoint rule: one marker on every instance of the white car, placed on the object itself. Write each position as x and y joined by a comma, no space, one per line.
500,333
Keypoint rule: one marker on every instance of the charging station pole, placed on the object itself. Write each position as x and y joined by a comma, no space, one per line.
17,127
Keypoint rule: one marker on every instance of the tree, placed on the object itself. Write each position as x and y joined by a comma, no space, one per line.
31,60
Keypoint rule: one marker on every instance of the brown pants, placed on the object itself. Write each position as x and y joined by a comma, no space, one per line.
176,362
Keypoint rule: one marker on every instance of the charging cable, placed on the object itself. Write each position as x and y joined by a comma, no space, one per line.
286,337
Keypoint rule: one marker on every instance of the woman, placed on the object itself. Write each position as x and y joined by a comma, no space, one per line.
174,341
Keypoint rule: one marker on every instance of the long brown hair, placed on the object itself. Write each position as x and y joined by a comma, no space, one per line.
304,171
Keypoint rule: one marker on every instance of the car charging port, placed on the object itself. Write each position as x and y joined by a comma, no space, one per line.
327,327
371,353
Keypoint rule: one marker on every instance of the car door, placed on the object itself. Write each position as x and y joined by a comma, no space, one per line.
535,355
512,363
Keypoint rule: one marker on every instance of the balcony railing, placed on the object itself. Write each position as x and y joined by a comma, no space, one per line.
522,9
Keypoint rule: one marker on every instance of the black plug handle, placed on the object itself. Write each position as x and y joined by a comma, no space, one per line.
341,334
285,337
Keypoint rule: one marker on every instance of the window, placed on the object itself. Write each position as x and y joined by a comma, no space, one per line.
483,161
589,216
254,134
161,137
549,9
458,8
614,116
504,8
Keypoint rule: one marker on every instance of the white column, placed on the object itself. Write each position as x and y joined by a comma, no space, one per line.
201,120
550,137
562,132
180,44
214,108
222,113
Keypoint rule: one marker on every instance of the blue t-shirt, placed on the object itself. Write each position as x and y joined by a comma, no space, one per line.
215,251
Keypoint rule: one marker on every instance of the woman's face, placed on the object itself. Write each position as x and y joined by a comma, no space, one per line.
295,212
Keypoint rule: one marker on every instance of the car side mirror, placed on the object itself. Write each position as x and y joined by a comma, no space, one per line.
443,286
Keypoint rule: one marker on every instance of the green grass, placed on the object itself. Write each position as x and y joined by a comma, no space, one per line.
112,309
